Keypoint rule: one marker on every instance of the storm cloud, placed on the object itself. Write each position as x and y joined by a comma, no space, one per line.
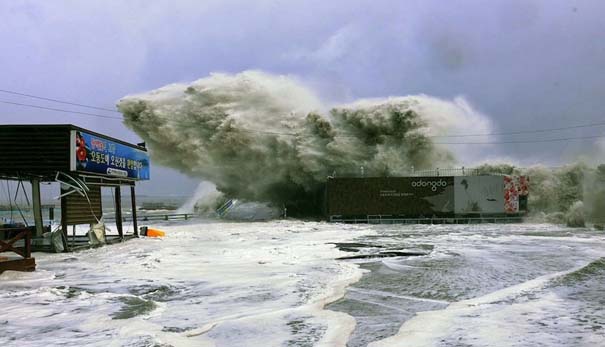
524,64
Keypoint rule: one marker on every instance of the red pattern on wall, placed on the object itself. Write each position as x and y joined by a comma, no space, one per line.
514,186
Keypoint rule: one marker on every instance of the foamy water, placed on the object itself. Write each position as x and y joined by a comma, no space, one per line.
280,284
483,285
209,284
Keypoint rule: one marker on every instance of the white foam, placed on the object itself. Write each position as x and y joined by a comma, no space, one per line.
391,295
10,278
430,327
253,278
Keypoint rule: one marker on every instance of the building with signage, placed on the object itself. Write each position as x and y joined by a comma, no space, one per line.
439,198
82,162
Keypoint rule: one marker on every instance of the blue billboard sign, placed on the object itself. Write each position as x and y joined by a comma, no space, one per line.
95,154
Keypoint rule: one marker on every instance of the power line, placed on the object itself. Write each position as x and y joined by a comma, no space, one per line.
527,141
463,135
527,131
57,100
59,110
534,131
519,132
341,136
450,143
337,136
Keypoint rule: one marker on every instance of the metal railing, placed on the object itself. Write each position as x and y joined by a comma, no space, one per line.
379,219
153,217
224,209
436,172
448,172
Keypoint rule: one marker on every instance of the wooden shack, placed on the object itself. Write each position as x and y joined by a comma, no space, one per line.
82,162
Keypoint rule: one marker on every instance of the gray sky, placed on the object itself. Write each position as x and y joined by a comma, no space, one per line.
525,64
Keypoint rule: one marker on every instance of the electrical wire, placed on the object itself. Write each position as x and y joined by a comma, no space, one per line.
59,110
521,141
528,131
533,131
520,132
57,100
467,135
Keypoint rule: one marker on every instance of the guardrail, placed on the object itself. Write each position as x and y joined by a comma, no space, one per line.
224,209
152,217
444,220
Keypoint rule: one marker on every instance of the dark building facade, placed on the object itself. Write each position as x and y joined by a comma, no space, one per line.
426,197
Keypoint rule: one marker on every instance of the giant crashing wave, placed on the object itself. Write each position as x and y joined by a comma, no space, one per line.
267,138
570,194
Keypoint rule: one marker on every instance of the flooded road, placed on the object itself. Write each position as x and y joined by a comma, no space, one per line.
285,283
482,285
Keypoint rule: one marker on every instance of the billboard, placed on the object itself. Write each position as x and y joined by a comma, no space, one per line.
400,196
94,154
479,194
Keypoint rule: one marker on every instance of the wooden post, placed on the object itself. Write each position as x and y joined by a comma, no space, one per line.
28,244
64,223
133,200
119,212
37,207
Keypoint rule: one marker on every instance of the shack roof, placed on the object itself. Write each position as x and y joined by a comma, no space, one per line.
41,150
67,127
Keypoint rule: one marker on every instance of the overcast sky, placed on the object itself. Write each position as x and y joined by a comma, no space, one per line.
525,64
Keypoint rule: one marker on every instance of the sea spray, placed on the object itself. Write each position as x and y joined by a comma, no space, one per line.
571,194
203,200
576,216
269,139
266,138
594,195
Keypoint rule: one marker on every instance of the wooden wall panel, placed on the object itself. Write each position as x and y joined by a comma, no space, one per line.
79,210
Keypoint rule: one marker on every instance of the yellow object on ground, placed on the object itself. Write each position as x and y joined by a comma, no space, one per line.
155,233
